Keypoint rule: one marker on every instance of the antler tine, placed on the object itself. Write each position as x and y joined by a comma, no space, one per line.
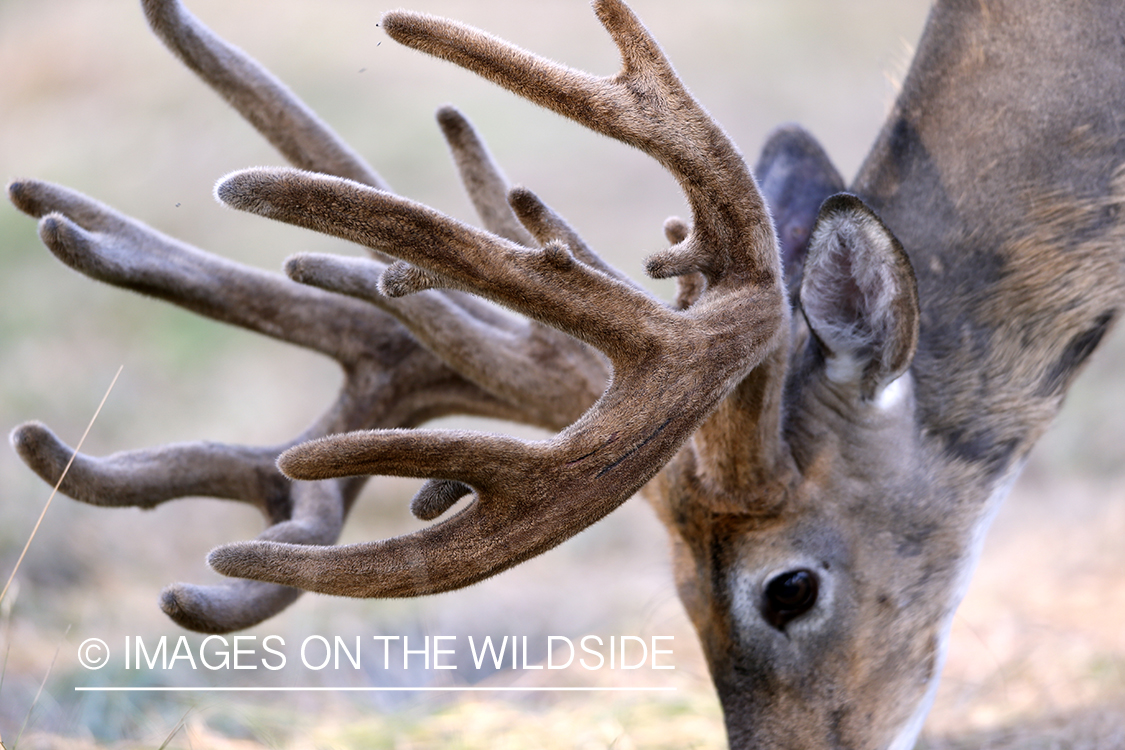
645,105
689,286
670,368
225,607
317,516
147,478
484,182
266,103
548,226
515,214
103,244
551,383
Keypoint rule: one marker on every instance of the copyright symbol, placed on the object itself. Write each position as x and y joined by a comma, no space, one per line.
93,653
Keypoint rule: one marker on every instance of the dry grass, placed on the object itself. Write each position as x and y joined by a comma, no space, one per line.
89,99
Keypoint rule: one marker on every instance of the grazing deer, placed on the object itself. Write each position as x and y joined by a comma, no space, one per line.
825,420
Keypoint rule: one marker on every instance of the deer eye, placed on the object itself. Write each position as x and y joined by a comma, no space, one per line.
788,596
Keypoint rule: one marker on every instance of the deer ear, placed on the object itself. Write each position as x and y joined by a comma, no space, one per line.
860,297
795,176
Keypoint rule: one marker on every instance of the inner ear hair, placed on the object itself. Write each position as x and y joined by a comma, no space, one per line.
860,297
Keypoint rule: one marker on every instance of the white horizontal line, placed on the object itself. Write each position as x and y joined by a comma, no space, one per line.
374,689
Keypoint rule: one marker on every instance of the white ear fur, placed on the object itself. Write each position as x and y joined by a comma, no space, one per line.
860,297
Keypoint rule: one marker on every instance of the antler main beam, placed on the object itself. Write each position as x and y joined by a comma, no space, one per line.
670,368
262,100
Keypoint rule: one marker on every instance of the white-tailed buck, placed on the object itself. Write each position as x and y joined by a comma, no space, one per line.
825,419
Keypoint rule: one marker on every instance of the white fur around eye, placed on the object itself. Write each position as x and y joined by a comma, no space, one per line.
748,583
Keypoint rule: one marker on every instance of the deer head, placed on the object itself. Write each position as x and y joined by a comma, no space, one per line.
825,419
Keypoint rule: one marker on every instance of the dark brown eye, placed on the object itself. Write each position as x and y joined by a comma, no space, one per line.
789,596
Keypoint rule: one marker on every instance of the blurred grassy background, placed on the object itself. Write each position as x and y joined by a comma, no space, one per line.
89,99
